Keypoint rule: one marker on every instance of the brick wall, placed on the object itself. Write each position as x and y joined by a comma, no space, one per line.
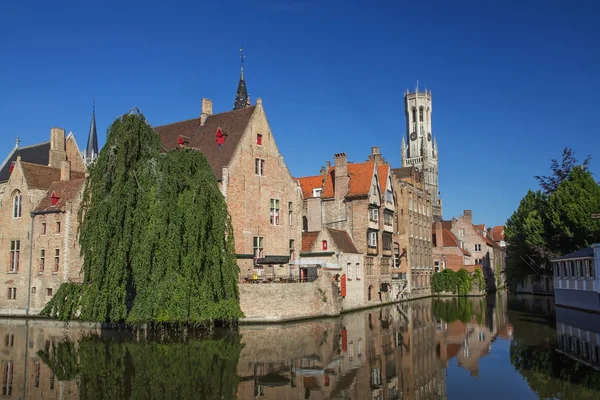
274,302
74,155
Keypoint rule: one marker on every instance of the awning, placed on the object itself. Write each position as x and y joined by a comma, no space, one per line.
273,260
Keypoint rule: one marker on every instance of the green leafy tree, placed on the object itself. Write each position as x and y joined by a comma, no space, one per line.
560,172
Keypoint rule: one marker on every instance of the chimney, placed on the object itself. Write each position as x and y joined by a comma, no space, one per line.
65,170
439,234
58,152
468,215
322,172
375,155
342,180
206,110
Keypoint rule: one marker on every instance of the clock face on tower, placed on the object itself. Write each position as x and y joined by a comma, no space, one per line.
413,136
429,136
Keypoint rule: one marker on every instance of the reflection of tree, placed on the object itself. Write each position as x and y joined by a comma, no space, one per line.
532,353
461,309
204,369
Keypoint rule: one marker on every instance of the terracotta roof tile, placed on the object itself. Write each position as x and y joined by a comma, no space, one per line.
343,241
361,176
203,137
308,240
487,241
64,190
481,227
41,176
451,241
498,233
383,171
308,183
34,154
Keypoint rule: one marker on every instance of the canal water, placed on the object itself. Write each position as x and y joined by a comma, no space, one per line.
498,347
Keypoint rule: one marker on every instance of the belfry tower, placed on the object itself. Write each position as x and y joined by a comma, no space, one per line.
421,151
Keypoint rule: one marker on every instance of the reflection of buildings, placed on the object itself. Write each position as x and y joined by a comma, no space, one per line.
469,341
22,341
579,335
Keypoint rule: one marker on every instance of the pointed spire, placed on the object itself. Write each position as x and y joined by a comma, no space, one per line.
241,97
91,151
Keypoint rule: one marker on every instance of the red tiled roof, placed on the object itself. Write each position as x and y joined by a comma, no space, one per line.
451,241
308,240
308,183
383,171
343,241
64,190
203,137
41,176
361,176
481,227
487,241
498,233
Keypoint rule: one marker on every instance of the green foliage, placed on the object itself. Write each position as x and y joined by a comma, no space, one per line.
460,282
453,309
554,222
155,235
66,303
478,279
105,369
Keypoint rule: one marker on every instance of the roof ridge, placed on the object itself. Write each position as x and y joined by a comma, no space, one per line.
33,145
39,165
212,115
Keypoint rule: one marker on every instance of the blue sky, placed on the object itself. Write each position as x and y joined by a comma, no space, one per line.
513,82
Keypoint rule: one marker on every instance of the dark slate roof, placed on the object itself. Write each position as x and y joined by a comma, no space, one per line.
34,154
588,252
91,150
203,137
343,241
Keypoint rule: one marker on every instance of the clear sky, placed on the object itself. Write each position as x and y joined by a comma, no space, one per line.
513,82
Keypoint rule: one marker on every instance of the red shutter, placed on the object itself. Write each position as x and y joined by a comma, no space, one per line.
259,139
344,340
343,285
180,141
324,244
54,198
220,137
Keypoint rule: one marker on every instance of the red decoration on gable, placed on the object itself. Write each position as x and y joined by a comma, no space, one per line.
12,166
324,244
220,137
259,139
181,141
54,198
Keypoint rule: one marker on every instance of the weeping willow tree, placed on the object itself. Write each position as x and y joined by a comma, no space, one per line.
155,236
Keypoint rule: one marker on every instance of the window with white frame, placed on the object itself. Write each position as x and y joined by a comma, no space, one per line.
348,271
259,166
274,212
373,214
17,204
42,260
317,192
372,236
290,213
15,249
477,247
12,293
56,260
257,246
388,218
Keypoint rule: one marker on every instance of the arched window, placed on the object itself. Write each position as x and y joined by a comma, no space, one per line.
421,114
17,204
369,296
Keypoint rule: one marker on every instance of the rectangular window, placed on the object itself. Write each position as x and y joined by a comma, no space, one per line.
388,218
478,261
12,293
292,251
274,212
15,248
372,236
8,372
461,232
387,241
258,246
290,213
42,260
259,166
389,197
369,265
43,228
56,260
477,247
348,271
317,192
358,274
49,291
385,265
374,214
37,374
57,227
17,205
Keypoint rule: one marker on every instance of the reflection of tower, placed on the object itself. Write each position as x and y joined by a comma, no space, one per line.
421,151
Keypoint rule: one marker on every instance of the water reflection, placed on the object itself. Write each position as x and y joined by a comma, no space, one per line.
397,352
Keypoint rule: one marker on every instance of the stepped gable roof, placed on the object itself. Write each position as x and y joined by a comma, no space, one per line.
361,176
64,190
451,241
35,154
308,240
498,233
343,241
42,176
308,183
588,252
203,137
383,171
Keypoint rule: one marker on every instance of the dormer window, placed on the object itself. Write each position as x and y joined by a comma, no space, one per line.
54,198
220,137
324,244
317,192
259,139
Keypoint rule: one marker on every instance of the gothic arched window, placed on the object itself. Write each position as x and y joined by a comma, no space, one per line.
421,114
17,204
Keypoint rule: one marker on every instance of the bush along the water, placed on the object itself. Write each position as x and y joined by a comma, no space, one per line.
155,237
459,283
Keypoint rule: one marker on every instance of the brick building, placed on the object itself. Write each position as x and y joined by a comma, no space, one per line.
448,250
24,186
414,229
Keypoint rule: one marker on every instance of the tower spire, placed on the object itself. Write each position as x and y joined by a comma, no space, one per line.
241,97
91,151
